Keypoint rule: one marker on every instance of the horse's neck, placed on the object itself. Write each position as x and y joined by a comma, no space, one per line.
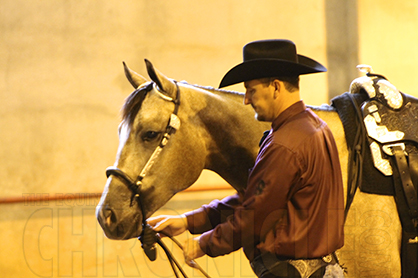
330,116
233,137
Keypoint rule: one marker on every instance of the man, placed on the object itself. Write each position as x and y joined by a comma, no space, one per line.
289,221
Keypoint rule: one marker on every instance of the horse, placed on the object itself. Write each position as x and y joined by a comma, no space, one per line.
206,128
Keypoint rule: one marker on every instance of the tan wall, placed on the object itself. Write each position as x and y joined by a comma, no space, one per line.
63,83
388,39
62,86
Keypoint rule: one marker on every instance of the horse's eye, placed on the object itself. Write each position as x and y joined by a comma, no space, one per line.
150,135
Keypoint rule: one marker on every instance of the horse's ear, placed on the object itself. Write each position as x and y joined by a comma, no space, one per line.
134,78
166,85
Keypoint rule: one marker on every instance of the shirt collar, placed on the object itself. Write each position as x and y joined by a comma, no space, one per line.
294,109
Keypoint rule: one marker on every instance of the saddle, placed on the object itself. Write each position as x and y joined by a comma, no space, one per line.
386,138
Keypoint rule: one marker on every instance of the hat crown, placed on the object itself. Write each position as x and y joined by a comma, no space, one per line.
270,49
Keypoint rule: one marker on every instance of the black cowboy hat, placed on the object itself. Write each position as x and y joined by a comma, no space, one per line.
270,58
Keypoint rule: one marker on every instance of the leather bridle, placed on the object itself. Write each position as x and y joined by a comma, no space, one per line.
135,185
148,236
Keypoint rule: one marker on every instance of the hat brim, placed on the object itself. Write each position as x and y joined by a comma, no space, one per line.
262,68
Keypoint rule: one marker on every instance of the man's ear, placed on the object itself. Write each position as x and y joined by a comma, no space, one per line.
277,87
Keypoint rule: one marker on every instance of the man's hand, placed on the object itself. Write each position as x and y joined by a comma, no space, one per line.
192,251
168,224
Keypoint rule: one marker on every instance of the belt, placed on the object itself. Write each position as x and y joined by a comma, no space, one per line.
268,262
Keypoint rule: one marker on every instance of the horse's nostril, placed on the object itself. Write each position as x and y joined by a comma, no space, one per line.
109,217
107,213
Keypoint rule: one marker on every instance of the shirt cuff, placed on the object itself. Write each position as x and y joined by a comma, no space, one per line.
198,221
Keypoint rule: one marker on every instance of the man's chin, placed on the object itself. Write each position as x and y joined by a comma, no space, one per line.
260,118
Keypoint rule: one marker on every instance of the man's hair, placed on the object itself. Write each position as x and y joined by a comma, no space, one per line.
291,83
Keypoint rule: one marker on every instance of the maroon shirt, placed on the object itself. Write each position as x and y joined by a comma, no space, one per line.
293,205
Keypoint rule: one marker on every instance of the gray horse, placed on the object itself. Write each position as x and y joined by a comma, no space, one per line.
217,132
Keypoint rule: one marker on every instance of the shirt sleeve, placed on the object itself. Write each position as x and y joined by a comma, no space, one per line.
209,216
271,181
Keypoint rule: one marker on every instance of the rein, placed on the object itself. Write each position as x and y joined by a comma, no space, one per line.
148,236
356,157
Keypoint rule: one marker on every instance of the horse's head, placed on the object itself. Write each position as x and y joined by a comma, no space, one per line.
145,176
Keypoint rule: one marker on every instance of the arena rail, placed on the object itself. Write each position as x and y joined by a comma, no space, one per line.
46,197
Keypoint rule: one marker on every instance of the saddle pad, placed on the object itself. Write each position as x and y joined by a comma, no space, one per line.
373,181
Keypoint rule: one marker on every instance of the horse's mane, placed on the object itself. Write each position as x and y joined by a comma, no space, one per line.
214,90
134,101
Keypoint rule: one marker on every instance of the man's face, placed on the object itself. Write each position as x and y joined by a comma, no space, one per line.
260,96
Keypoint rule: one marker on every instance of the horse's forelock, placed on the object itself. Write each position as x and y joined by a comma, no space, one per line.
133,103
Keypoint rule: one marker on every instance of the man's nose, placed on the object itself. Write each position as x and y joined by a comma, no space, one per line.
247,99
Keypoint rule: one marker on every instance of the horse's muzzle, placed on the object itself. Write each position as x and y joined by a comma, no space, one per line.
117,224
